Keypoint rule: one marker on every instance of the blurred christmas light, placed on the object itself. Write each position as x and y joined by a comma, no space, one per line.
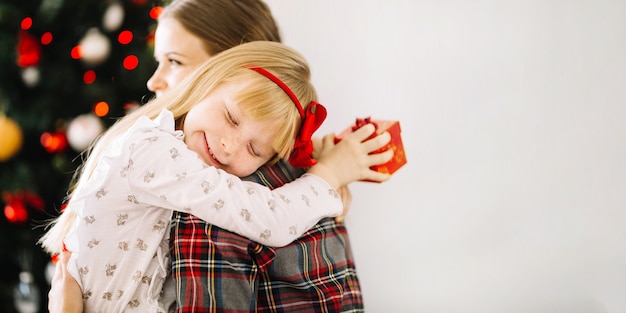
53,142
125,37
101,109
15,212
76,52
27,23
95,47
30,76
46,38
131,62
89,77
15,209
113,17
155,12
83,130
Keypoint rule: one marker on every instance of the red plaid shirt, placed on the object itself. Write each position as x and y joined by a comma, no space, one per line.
215,270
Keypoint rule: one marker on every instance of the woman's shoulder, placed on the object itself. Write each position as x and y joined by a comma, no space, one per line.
161,126
163,122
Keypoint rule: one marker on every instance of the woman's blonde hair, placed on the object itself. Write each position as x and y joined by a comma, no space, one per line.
262,99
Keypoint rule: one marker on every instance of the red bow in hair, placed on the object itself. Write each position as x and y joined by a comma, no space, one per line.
311,120
303,148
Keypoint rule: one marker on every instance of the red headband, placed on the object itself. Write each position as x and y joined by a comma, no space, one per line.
311,120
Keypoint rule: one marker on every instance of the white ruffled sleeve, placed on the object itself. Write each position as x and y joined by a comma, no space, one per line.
163,172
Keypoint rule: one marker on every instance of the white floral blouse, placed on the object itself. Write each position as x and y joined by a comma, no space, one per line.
119,242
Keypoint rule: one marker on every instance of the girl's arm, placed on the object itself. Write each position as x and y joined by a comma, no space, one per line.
163,172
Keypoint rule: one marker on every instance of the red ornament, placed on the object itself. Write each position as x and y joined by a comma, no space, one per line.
54,142
16,203
15,212
28,50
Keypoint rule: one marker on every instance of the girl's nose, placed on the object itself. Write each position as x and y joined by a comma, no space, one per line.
231,144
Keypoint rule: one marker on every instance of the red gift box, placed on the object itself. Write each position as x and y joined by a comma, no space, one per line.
395,144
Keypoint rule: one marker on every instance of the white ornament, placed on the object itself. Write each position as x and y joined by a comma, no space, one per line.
95,47
30,76
113,17
83,130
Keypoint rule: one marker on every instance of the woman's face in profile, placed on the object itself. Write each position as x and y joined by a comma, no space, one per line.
177,53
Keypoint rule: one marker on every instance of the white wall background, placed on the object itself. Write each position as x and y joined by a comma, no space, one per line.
514,123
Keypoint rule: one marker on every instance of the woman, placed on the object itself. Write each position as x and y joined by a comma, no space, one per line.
316,272
256,277
248,106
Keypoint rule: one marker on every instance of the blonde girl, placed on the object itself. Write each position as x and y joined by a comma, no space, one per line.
248,106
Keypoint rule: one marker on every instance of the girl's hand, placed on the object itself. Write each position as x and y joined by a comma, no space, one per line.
65,294
350,159
344,191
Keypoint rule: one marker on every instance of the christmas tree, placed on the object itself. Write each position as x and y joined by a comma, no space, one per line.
70,68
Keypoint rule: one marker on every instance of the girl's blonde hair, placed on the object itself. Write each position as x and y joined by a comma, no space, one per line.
262,99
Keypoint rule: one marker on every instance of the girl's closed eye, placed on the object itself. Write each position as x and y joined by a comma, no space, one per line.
231,119
254,152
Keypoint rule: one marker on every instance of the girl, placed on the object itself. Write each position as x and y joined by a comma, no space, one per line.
216,270
258,100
